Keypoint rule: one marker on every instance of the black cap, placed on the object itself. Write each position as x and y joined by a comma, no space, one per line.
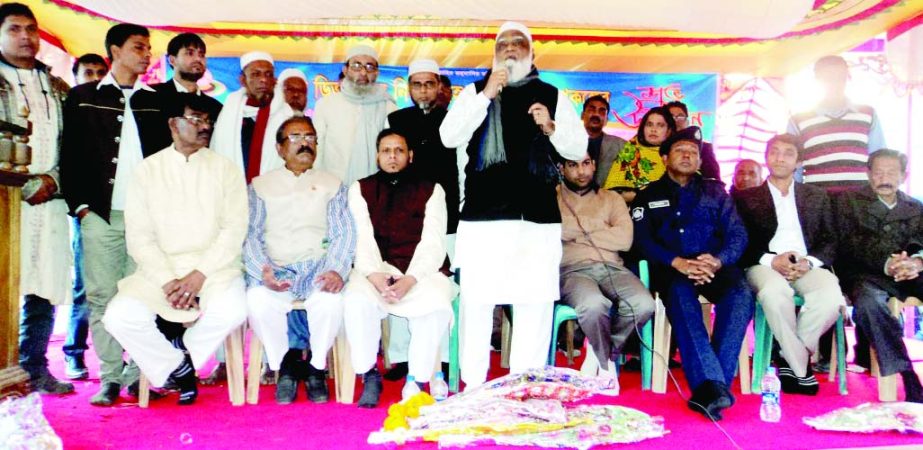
692,134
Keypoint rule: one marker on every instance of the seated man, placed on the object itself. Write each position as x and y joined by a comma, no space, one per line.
881,238
595,226
688,229
185,222
299,247
747,174
791,247
400,265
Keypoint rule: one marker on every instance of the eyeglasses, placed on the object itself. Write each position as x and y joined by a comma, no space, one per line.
359,67
680,117
306,138
199,121
518,42
429,85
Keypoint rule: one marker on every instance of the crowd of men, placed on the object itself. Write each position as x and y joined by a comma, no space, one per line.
191,217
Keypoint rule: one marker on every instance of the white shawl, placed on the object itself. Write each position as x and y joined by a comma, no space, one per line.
226,134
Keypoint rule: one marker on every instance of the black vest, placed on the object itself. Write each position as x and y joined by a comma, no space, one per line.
431,160
523,187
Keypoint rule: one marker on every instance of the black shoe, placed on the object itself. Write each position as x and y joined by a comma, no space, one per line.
371,389
793,384
133,390
107,395
710,398
632,364
47,384
913,390
316,385
185,378
218,375
286,389
398,372
74,368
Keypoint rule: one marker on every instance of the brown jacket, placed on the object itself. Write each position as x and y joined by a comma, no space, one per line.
605,219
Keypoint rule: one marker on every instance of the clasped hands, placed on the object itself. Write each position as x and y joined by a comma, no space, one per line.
790,265
701,269
392,288
183,293
329,281
903,267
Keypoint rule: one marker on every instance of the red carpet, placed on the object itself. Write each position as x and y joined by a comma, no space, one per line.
212,423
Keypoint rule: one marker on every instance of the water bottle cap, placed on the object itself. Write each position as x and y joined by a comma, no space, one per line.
439,375
410,379
771,370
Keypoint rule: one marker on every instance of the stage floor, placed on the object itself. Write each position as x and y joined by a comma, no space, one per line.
212,423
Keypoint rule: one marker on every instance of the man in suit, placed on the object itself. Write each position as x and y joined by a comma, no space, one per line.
790,250
186,54
110,126
881,232
602,147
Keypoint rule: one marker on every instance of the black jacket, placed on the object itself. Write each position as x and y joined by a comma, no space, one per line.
870,233
92,132
815,214
169,90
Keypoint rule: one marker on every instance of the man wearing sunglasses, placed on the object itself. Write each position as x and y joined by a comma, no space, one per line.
349,121
185,223
312,268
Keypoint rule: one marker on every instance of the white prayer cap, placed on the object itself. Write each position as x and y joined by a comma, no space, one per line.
249,57
421,66
290,73
507,26
362,50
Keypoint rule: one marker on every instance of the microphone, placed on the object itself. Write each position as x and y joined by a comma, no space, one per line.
508,64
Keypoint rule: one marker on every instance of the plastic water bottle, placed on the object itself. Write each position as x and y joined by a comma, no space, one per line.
410,388
770,410
438,389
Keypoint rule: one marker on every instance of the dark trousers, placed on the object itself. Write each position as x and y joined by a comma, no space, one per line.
704,359
78,328
35,325
870,297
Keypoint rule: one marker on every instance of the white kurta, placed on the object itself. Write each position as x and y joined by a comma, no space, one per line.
182,216
335,118
45,251
433,291
509,261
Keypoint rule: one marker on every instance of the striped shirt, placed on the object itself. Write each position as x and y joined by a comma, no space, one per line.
837,144
340,241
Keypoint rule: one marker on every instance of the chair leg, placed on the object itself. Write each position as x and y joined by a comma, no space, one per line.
662,331
385,341
254,365
506,338
345,376
235,366
743,366
841,351
706,315
569,345
647,346
144,391
453,350
762,348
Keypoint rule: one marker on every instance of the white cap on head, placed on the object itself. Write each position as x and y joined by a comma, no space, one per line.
249,57
421,66
507,26
290,73
362,50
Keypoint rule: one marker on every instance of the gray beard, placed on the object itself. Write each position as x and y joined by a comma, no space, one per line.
519,69
360,90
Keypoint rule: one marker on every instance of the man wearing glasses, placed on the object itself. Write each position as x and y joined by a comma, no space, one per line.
185,223
297,200
349,121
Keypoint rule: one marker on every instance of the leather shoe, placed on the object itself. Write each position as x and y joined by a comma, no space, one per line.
107,395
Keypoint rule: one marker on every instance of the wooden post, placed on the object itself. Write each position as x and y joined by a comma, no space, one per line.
13,380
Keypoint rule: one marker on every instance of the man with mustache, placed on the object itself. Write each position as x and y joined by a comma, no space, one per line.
26,85
110,126
185,223
186,55
791,248
602,147
881,251
509,235
300,201
686,226
349,120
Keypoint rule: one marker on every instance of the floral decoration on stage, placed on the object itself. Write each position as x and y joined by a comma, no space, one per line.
872,417
528,409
